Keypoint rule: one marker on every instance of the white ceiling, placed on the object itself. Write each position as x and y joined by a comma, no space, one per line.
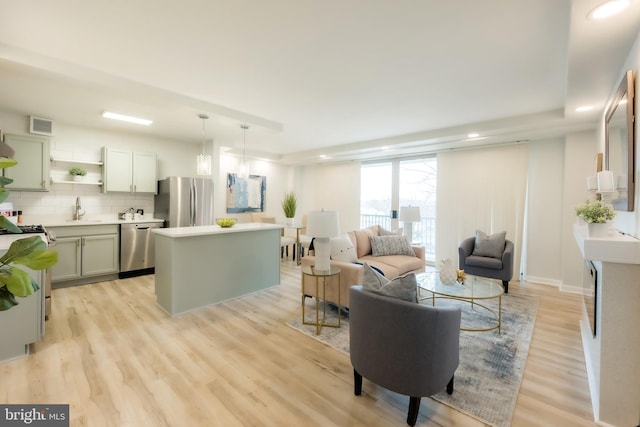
337,77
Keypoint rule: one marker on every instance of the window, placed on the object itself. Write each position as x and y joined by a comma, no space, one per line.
386,186
417,187
375,194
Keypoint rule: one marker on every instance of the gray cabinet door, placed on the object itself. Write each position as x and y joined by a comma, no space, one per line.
99,254
69,257
32,171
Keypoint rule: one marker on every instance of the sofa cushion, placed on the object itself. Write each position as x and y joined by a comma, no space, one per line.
402,287
388,269
342,249
401,263
489,246
363,245
391,245
484,262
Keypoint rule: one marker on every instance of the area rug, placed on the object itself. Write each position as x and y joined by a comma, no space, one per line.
488,378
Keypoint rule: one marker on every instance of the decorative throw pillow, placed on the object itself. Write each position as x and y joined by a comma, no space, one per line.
402,287
385,232
342,249
390,245
489,246
362,238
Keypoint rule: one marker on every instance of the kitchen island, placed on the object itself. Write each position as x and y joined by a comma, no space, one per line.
204,265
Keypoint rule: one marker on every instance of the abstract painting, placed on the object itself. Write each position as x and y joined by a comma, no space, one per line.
245,194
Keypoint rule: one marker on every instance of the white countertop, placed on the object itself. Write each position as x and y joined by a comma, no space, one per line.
203,230
617,247
97,221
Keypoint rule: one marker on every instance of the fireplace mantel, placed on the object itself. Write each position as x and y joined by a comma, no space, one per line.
617,248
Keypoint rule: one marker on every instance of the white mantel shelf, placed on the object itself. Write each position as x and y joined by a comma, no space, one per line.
617,248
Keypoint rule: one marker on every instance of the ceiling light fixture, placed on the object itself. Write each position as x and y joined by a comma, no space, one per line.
124,118
473,135
203,162
244,169
607,9
584,108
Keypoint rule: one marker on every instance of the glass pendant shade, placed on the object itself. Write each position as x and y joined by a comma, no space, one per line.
203,161
204,164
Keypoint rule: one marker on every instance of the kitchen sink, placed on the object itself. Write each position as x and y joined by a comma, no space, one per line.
84,221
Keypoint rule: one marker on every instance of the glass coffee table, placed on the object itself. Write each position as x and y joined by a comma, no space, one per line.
473,290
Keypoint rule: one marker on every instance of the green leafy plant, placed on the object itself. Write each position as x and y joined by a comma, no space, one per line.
595,212
30,252
289,204
77,171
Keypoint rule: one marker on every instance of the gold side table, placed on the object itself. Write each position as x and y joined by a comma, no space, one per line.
318,275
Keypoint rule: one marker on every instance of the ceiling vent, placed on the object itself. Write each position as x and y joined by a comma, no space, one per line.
40,126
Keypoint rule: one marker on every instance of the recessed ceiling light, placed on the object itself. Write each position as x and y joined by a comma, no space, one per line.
584,108
124,118
473,135
607,9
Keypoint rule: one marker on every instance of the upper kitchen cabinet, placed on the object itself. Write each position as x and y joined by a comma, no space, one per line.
32,171
129,172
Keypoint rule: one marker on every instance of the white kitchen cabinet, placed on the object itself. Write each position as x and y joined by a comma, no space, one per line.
32,171
129,172
85,252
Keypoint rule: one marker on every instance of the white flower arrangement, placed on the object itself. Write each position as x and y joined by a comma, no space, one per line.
595,212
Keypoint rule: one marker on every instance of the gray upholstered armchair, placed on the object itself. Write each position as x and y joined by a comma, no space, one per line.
484,266
405,347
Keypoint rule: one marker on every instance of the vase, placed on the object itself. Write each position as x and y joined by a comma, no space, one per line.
448,274
598,230
77,177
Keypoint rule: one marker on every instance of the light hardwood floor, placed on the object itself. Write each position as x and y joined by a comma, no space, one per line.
118,360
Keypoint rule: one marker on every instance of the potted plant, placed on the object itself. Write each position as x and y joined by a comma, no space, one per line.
289,204
30,252
596,214
77,174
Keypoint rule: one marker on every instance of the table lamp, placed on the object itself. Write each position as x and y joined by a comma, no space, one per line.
409,215
322,225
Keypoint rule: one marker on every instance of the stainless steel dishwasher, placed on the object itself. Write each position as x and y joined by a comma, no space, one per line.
136,246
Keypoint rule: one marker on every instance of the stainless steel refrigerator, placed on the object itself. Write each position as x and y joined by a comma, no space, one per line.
184,201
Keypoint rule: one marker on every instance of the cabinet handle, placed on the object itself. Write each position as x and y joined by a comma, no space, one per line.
134,188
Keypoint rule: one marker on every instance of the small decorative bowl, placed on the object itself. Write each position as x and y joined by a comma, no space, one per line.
226,222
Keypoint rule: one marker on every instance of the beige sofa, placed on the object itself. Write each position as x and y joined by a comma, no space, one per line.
351,273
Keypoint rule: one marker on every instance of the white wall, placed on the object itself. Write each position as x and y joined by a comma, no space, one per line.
543,246
579,154
334,187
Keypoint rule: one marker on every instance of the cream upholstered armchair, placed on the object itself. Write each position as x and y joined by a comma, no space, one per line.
408,348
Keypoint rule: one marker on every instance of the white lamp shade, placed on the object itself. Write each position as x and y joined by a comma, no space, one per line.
409,214
323,224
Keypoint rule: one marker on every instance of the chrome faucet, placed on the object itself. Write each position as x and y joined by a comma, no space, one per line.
78,214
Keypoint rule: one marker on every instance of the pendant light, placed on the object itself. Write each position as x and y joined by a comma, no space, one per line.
244,168
203,165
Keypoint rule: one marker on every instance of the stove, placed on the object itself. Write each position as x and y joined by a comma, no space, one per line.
26,229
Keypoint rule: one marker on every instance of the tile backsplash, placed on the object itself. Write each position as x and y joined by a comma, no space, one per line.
60,201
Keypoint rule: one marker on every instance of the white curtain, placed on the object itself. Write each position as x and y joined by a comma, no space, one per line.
482,189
